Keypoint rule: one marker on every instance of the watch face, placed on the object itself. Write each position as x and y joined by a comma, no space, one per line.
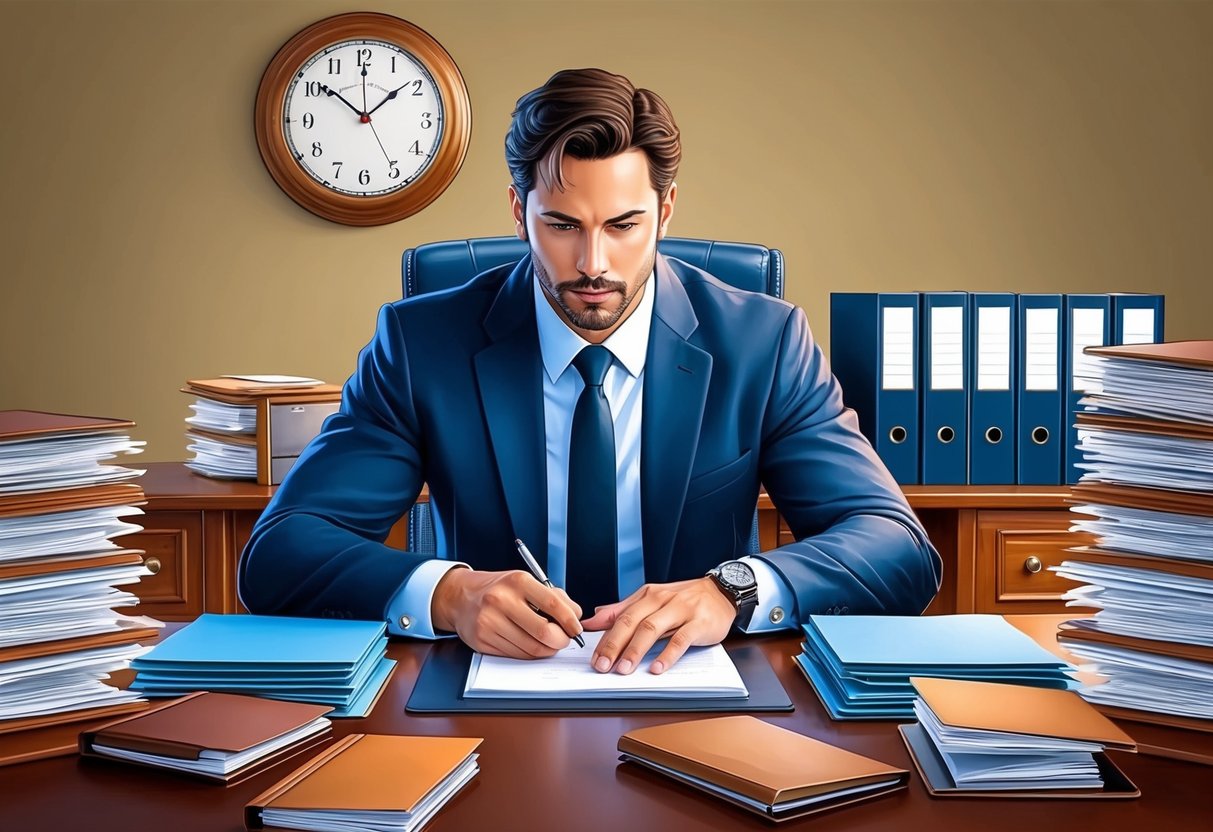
737,574
363,117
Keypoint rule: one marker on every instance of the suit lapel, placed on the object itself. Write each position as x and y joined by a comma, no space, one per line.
509,374
676,378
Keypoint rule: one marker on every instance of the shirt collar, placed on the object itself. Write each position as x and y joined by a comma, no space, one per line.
559,344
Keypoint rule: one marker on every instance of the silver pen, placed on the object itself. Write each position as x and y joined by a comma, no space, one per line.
537,572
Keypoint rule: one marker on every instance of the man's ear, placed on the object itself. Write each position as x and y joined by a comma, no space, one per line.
666,210
519,212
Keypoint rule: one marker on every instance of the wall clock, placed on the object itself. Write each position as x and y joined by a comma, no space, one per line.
363,118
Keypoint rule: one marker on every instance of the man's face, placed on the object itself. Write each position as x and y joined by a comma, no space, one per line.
593,244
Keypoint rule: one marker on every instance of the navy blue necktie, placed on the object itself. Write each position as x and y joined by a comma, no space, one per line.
591,531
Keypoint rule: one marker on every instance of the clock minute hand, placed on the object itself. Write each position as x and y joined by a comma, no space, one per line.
389,97
333,93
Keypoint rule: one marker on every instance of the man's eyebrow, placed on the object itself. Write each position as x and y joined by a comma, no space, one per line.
557,215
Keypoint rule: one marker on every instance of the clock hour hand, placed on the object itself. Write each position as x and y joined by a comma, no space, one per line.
389,97
333,93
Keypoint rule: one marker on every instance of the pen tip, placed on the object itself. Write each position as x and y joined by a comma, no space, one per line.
517,542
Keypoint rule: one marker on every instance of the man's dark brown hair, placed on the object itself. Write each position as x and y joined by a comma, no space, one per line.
589,114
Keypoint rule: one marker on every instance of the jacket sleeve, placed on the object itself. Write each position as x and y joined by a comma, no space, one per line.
318,549
859,548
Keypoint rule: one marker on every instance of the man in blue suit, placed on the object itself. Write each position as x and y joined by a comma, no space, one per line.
614,409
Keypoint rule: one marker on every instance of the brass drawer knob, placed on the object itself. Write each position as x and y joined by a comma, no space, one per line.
1032,564
152,564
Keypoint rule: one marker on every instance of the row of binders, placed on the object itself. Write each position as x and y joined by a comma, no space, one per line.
1145,506
977,387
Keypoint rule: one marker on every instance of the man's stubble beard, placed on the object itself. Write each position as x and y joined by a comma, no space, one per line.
593,318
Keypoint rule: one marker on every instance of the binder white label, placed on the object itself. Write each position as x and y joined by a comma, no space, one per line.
1086,330
1040,349
947,348
994,348
1137,326
897,357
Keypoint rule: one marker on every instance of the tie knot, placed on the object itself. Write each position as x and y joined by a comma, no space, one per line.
593,362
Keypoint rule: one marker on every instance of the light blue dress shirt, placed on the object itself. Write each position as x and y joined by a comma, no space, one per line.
409,611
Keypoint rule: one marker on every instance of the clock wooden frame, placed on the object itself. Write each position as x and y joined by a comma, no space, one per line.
348,209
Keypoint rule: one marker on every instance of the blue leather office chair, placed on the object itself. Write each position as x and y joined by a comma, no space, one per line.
436,266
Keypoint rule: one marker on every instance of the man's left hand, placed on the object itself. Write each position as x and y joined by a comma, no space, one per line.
691,613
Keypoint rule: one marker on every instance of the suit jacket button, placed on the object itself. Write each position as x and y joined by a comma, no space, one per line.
405,622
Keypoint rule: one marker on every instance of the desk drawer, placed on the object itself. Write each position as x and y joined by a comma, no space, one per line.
172,545
1014,552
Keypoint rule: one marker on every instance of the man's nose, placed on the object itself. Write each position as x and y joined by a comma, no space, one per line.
592,260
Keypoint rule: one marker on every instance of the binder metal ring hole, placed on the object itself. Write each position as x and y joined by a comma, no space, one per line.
1040,435
993,435
898,435
946,434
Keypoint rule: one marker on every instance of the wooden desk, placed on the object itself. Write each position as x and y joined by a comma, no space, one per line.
990,539
561,773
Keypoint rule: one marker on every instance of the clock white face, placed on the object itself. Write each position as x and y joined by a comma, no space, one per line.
363,117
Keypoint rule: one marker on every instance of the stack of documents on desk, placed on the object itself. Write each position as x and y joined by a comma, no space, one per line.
326,661
254,426
1145,503
371,782
701,673
215,736
758,766
860,665
976,739
61,506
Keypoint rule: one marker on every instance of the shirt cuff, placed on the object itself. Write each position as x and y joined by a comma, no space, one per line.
776,608
409,611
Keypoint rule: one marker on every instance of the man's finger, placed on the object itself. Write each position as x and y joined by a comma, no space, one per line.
556,605
647,633
620,635
682,639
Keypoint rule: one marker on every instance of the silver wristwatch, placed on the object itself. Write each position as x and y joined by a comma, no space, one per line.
736,580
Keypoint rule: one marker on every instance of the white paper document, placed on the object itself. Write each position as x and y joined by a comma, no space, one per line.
702,673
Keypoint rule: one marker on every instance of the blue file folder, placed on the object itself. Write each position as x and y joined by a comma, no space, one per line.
1038,416
945,399
874,354
1088,323
1137,319
992,388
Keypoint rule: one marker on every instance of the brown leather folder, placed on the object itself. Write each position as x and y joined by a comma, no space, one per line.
183,728
1015,709
28,503
1152,499
238,391
1183,353
366,772
1137,424
747,757
1071,636
27,424
1187,568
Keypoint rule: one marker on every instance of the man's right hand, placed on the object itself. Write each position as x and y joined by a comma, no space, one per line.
491,612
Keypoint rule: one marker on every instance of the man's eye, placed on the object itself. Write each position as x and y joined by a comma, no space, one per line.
561,226
624,226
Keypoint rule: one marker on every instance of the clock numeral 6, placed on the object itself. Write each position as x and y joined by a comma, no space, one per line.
364,177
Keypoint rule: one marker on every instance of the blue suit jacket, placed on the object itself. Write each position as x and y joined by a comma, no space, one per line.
449,393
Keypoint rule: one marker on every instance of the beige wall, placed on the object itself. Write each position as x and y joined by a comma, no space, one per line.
1059,146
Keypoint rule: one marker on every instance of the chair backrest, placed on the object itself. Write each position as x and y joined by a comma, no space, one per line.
435,266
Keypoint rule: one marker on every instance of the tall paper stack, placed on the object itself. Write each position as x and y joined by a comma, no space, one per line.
59,578
1146,496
